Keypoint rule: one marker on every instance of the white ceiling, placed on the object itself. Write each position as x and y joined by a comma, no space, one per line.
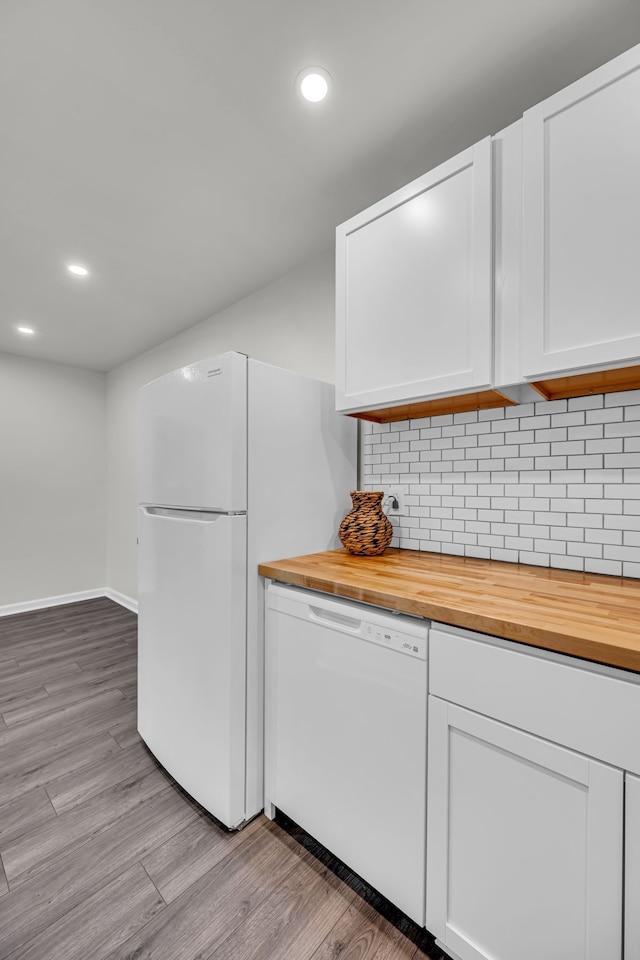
161,143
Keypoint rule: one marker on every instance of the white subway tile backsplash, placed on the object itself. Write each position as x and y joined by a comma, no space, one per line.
586,403
573,419
457,430
553,433
612,445
567,447
466,537
567,563
518,543
584,520
475,428
552,519
612,567
622,398
622,460
604,416
628,428
457,525
535,449
518,516
590,461
479,502
604,476
537,559
624,522
603,506
507,556
593,431
603,536
505,426
585,550
504,529
550,406
554,483
575,534
622,553
481,553
519,463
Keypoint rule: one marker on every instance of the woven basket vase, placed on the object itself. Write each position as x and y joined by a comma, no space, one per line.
366,531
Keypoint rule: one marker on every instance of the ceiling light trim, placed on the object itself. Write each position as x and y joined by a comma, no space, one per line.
313,85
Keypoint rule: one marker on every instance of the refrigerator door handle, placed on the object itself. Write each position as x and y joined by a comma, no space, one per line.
179,513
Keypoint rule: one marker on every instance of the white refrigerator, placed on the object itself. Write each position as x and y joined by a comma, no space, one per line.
240,462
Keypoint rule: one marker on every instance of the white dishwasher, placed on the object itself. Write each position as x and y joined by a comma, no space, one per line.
346,734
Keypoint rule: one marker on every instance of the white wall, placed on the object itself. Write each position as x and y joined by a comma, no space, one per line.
52,479
289,323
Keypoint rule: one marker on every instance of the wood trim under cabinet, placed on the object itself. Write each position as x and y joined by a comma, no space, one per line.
585,384
482,400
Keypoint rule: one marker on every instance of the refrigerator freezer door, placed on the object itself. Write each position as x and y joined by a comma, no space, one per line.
193,436
192,653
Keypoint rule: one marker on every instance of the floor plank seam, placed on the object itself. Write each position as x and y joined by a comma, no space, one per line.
26,876
60,709
151,880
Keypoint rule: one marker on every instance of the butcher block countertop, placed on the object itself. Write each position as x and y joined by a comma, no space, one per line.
584,615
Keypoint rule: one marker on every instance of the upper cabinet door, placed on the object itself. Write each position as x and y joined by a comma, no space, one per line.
414,289
581,223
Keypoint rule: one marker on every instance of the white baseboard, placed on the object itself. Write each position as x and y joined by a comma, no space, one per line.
9,609
122,599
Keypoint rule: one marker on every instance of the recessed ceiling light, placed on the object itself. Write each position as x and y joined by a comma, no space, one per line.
26,331
313,84
77,269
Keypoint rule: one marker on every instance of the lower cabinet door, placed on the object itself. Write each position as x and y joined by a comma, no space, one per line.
632,869
524,844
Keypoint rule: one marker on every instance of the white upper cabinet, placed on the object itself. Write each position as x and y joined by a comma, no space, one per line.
414,290
581,224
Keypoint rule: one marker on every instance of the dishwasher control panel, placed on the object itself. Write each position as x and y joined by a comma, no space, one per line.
399,632
414,646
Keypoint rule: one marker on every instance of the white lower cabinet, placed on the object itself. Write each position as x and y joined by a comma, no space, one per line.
524,844
533,803
632,869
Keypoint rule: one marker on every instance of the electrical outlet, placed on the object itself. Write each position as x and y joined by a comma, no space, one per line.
389,506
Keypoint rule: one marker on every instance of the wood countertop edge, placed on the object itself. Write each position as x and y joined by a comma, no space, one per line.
611,652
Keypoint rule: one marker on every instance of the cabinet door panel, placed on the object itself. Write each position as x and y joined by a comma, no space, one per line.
632,869
524,844
414,289
581,223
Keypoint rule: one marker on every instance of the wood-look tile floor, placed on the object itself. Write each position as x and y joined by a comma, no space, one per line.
104,857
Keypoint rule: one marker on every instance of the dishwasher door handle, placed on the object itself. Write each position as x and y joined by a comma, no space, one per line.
339,620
